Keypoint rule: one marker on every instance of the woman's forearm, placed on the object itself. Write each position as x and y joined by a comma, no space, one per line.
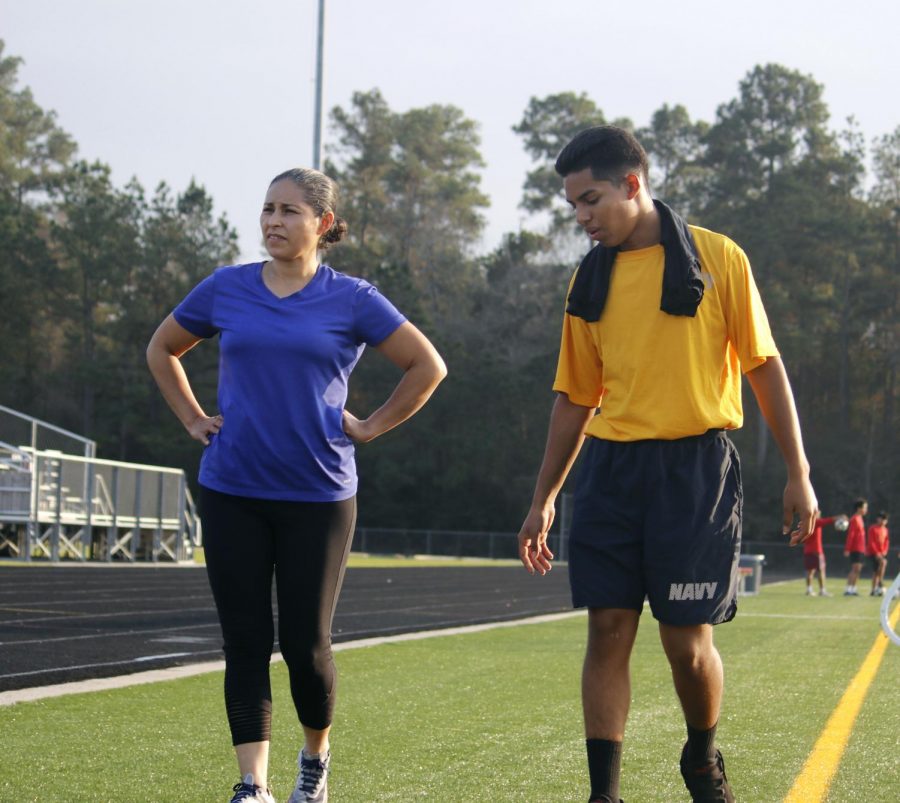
414,389
173,383
169,343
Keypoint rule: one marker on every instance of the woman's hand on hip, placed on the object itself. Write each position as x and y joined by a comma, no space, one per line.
203,426
357,430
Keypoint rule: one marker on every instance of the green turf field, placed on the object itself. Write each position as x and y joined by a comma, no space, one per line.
362,560
490,716
359,560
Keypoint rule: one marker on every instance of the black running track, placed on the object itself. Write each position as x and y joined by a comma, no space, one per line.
65,623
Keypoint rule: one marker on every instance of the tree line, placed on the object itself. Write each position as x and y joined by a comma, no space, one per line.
88,269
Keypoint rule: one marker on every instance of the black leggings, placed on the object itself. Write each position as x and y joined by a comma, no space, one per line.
305,544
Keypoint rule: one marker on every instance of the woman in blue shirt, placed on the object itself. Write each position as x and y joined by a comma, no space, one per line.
278,477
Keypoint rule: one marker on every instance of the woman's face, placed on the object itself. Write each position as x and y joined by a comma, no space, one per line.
290,226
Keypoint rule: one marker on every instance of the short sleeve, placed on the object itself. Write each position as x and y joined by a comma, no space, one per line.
748,326
195,312
579,371
374,317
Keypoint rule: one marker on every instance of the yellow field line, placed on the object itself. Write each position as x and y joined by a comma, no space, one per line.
815,778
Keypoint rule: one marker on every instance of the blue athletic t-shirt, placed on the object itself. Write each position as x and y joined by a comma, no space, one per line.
283,370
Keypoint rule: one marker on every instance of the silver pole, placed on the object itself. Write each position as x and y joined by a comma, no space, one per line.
317,130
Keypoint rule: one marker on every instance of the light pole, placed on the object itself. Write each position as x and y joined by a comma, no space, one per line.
317,125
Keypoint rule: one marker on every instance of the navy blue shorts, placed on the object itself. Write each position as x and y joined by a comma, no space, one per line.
661,520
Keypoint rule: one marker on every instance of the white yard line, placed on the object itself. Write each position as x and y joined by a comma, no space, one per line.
176,672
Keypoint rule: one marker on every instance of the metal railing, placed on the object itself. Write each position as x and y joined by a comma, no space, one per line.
444,543
461,543
60,506
23,431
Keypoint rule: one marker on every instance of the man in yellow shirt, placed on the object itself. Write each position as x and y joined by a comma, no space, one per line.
662,319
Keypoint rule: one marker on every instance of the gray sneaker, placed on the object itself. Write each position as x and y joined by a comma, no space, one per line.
248,792
312,779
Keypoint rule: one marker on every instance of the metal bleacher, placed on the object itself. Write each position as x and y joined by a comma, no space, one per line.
58,501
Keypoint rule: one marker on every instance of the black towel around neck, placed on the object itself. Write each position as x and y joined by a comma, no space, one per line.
682,285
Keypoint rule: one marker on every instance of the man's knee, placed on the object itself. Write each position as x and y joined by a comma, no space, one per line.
688,649
611,631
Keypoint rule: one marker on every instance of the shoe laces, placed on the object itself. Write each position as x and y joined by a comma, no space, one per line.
244,791
710,778
312,774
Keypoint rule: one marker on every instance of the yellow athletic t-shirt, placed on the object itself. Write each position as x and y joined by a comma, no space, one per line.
656,375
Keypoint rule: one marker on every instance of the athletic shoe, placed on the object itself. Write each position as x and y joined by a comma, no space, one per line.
312,779
248,792
706,782
824,593
809,592
851,593
879,592
605,799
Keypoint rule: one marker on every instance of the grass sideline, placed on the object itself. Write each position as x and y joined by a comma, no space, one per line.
488,717
363,560
357,560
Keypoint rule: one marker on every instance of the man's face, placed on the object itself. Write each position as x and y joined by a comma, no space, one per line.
608,212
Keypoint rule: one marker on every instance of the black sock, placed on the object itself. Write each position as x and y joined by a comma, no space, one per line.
604,765
701,744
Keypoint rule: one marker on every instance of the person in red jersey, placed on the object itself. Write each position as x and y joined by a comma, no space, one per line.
877,545
814,556
855,546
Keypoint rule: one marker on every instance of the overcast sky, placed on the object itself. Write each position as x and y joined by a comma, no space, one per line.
223,90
